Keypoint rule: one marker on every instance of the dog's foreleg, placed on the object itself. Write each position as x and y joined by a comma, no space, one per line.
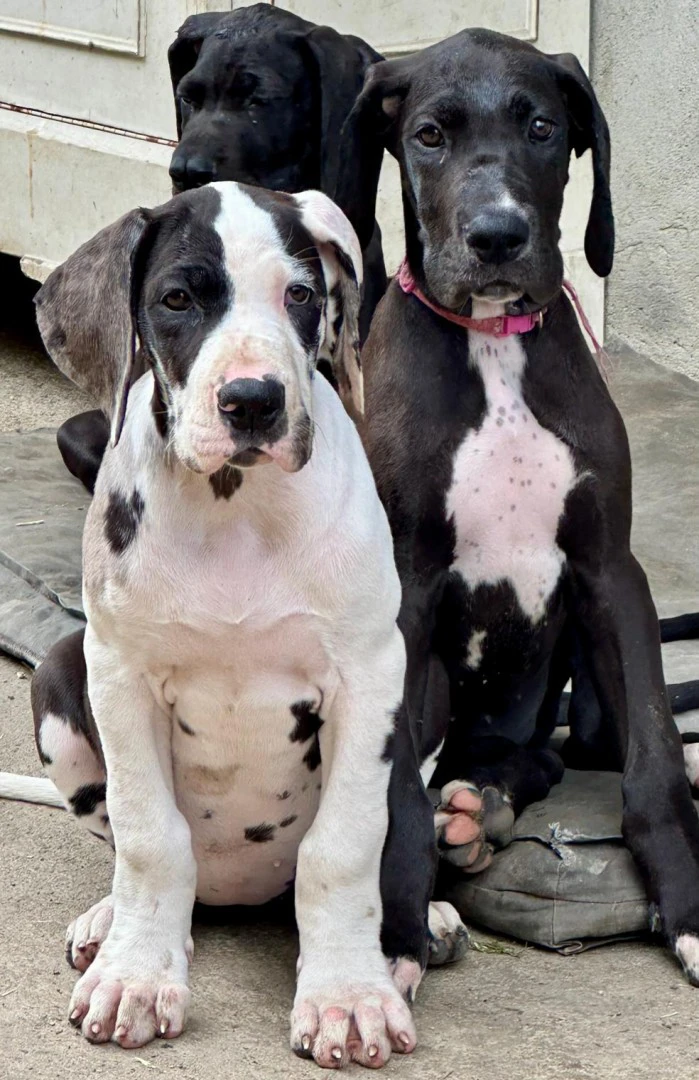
137,985
347,1006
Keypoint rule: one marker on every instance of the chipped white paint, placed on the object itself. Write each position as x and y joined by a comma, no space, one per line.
510,480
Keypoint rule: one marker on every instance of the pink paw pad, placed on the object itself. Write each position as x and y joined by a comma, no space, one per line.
471,824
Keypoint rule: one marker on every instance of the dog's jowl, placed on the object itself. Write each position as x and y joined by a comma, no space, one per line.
504,465
241,675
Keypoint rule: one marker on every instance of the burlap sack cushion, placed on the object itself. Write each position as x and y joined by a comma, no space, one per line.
566,881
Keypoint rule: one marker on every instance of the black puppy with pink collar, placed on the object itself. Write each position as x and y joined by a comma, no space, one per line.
503,462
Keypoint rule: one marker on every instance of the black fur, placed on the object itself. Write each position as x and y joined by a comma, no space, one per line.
260,834
225,482
121,520
481,91
87,798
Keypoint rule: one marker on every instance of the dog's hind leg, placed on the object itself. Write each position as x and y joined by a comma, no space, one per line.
82,441
70,751
66,736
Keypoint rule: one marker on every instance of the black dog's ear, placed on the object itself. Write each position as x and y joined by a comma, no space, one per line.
589,131
86,312
365,135
182,54
341,62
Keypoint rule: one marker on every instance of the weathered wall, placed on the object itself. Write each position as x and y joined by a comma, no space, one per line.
645,66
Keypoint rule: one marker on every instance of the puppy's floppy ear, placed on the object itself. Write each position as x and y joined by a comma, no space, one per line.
367,131
341,257
589,131
341,61
182,54
86,312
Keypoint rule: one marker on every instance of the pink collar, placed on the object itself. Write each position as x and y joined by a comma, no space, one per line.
502,325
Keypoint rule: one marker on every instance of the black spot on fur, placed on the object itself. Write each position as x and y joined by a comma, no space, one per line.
344,261
87,798
311,758
207,814
260,834
389,746
284,795
159,409
226,481
308,724
44,758
288,821
185,727
336,294
121,520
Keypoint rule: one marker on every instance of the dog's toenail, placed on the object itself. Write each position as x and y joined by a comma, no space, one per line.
163,1027
75,1015
95,1029
81,946
306,1042
336,1053
120,1032
404,1038
373,1051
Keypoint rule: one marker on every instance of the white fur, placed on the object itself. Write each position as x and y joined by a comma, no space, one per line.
223,613
430,764
35,789
691,762
510,481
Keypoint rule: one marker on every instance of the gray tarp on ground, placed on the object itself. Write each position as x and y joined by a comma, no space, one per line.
42,514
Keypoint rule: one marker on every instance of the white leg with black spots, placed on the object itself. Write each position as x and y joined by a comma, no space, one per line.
77,772
136,987
347,1006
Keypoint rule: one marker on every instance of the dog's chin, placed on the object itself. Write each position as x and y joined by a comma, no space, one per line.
499,292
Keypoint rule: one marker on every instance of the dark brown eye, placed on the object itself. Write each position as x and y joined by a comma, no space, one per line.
541,129
177,300
298,294
431,136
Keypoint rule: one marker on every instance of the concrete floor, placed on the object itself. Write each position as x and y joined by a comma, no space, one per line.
623,1011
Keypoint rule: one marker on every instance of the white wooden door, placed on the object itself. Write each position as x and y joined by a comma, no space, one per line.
398,27
86,117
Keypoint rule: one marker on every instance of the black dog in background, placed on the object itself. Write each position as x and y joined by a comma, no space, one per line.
261,96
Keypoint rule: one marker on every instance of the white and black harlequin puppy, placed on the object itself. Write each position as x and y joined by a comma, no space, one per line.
241,678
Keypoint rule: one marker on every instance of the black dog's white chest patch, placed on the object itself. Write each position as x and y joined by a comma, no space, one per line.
510,481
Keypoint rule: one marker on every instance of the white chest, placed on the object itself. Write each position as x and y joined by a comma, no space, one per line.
510,480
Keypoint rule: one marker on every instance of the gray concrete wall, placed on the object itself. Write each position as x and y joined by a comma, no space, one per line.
645,67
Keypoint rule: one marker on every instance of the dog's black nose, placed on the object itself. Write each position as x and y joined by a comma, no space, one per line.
251,405
191,170
497,236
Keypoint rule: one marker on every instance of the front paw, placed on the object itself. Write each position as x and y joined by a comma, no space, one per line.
343,1019
130,997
